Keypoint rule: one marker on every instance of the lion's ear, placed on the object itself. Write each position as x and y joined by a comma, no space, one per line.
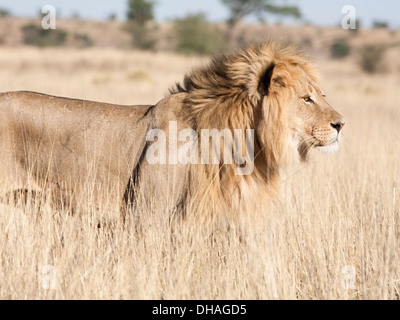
274,77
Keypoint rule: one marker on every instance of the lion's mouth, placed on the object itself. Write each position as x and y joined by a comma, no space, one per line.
313,142
331,147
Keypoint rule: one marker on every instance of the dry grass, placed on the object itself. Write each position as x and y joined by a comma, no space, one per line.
337,211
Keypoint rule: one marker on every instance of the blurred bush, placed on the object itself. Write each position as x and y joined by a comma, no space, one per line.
4,13
240,9
82,40
112,16
340,49
140,13
358,27
371,58
141,36
380,25
195,35
37,36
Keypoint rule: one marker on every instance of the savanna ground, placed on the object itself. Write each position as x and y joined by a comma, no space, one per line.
334,234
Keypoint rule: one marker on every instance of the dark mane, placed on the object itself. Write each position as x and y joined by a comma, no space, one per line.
211,76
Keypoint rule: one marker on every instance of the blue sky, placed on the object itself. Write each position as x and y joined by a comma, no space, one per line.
326,13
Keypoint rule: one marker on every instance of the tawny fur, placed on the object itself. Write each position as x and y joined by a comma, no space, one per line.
48,141
247,89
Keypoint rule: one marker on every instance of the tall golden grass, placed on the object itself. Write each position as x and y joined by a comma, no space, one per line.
334,233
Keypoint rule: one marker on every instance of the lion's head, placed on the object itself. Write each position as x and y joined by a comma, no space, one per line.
293,114
310,120
273,89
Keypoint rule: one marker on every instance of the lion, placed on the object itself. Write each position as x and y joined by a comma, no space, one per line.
77,148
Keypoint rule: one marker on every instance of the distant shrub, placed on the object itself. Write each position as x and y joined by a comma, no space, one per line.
142,37
358,27
380,25
112,16
4,13
75,15
196,35
372,58
140,13
82,40
35,35
340,49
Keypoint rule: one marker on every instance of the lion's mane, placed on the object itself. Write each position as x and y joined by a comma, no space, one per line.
245,89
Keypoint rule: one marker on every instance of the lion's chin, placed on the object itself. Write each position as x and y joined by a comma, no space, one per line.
330,148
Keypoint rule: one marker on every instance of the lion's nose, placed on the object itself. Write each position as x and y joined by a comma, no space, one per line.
338,126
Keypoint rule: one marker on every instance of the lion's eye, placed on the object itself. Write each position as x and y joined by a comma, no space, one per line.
308,99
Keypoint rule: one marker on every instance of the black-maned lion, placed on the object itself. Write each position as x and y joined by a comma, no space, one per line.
77,148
